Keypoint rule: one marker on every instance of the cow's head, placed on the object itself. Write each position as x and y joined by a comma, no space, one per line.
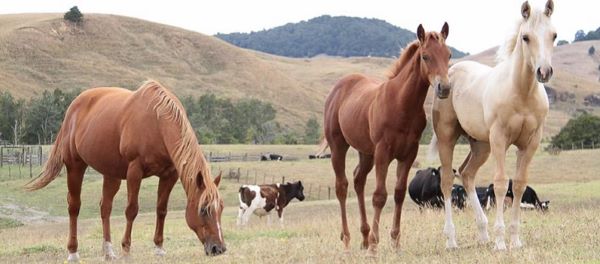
298,190
459,196
545,205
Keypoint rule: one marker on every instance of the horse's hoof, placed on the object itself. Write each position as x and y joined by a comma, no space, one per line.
451,245
110,257
372,252
516,244
484,239
159,251
500,246
73,257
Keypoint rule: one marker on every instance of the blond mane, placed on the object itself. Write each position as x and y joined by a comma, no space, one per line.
507,49
187,155
405,55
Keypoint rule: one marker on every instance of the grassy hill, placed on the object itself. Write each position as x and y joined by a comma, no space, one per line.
41,51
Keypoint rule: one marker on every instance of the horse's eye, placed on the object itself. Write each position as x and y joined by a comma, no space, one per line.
425,57
526,38
204,211
554,36
450,56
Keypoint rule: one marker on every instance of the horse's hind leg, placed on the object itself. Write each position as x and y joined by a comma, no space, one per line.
110,186
339,148
134,179
74,180
363,168
480,151
165,185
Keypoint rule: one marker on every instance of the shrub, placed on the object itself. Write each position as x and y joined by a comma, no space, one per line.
74,15
582,131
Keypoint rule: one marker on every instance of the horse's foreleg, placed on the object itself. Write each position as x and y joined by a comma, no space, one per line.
480,151
110,186
165,185
134,179
74,181
400,193
360,177
498,144
524,157
382,162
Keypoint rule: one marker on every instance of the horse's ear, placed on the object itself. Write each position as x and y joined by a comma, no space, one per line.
526,9
218,179
445,30
421,33
549,8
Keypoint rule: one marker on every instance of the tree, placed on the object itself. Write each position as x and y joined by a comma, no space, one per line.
11,111
579,35
584,129
312,131
562,42
591,51
74,15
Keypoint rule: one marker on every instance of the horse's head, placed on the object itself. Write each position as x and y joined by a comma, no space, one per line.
203,216
537,36
435,56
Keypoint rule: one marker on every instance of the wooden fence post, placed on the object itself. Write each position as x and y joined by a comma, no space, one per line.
30,161
328,193
40,155
282,179
1,156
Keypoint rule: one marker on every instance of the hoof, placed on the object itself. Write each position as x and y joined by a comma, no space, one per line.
484,239
500,246
73,258
372,252
159,251
110,257
451,244
516,244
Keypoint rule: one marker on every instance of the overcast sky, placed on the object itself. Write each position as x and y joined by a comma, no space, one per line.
475,25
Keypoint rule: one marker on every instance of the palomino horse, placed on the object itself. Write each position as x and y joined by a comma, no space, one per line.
383,121
128,135
495,108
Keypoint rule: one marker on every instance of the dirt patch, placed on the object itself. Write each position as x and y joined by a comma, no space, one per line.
26,215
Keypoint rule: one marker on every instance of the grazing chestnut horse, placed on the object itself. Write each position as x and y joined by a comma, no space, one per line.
383,121
128,135
497,107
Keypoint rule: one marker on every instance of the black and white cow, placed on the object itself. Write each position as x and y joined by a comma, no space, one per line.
266,157
262,199
530,199
324,156
425,190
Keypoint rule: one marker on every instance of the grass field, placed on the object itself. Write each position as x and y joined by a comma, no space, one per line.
33,226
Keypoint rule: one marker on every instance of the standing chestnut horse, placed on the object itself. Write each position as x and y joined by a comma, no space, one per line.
497,107
383,121
128,135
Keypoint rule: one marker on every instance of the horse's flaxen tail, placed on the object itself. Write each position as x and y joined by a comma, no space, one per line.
52,167
432,154
322,147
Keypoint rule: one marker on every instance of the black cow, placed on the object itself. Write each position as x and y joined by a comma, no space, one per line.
482,195
324,156
529,200
266,157
425,190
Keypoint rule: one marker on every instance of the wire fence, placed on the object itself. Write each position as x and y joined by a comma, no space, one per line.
21,161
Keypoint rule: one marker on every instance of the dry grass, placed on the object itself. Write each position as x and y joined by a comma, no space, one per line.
568,233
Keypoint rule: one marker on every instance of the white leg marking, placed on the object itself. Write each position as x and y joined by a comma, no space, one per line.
159,251
480,218
73,257
449,226
109,253
499,226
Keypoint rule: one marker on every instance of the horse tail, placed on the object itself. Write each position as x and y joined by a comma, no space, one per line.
52,167
432,154
322,147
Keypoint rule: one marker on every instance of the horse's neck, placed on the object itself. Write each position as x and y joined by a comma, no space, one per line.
408,92
522,75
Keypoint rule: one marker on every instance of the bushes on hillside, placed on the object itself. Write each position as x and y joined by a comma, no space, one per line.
74,15
582,131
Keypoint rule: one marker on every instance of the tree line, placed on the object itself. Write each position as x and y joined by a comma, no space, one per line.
580,35
334,36
215,120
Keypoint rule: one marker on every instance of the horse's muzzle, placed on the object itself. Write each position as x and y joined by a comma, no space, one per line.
543,74
442,91
214,249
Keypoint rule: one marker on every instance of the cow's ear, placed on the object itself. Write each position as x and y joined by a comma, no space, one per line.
300,183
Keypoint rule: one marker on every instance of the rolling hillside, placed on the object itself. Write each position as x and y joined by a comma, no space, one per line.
326,35
40,51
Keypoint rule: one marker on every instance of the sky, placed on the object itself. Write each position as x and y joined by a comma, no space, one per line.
475,25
